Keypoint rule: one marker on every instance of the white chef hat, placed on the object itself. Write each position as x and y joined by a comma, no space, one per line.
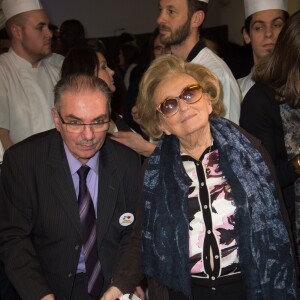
14,7
253,6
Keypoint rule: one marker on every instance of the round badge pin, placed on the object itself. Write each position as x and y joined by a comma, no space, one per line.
126,219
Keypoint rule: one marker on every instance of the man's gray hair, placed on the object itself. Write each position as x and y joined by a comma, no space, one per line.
79,83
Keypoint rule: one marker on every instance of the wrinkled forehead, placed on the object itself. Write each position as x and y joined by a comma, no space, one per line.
92,101
85,93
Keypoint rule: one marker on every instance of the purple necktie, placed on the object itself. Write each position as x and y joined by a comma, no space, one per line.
88,224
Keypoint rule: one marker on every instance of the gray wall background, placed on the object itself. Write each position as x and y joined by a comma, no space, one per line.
106,18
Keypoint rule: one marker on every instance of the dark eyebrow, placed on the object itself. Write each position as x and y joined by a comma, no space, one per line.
72,117
167,7
42,24
278,18
263,22
170,7
103,116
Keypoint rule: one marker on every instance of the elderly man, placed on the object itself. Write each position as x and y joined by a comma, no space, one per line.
264,20
28,72
68,199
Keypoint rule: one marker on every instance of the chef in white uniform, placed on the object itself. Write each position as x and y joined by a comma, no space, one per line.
181,32
264,20
28,72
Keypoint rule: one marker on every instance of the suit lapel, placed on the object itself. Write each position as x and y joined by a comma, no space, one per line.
107,189
64,189
62,182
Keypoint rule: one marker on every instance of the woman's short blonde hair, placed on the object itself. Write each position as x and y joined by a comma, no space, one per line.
163,67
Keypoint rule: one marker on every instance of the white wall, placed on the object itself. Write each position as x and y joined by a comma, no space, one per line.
227,12
103,18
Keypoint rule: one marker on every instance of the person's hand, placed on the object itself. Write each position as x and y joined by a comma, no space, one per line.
112,293
134,141
135,115
139,292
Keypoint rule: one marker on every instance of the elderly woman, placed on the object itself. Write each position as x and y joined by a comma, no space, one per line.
213,225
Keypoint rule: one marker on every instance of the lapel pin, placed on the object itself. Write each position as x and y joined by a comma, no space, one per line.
126,219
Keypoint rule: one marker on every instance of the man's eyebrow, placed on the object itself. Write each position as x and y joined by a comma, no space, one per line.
102,116
72,116
263,22
42,24
278,18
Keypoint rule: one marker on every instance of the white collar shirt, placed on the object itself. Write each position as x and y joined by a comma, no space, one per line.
26,94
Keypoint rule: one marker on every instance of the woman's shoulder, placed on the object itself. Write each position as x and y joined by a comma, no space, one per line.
259,96
259,109
261,91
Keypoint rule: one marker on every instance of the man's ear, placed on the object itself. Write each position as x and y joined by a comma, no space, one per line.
198,18
16,31
56,119
246,36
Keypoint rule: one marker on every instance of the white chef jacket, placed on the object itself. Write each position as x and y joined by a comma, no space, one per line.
245,84
231,93
26,94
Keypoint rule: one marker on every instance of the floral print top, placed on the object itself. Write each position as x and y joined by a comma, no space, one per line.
212,237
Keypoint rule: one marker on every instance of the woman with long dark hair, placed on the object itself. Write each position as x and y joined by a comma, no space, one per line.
271,112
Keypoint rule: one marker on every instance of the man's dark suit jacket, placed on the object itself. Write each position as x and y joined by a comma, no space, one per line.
40,231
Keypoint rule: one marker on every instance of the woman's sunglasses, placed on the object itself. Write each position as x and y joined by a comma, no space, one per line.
190,94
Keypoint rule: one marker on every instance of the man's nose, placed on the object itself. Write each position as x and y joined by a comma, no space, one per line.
88,132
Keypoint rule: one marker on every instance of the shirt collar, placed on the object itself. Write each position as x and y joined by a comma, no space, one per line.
23,62
75,164
196,49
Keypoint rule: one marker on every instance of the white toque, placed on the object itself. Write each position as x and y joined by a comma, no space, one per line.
253,6
14,7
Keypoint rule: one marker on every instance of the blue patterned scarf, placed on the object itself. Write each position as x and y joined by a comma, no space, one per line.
265,253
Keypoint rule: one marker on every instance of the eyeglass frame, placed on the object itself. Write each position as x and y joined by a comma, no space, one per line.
179,98
82,125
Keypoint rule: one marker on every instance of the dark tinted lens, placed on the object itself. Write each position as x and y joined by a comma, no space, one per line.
191,94
169,106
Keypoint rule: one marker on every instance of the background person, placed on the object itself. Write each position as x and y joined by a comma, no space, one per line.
128,58
52,219
271,112
264,20
28,72
138,141
211,205
153,49
88,60
71,34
